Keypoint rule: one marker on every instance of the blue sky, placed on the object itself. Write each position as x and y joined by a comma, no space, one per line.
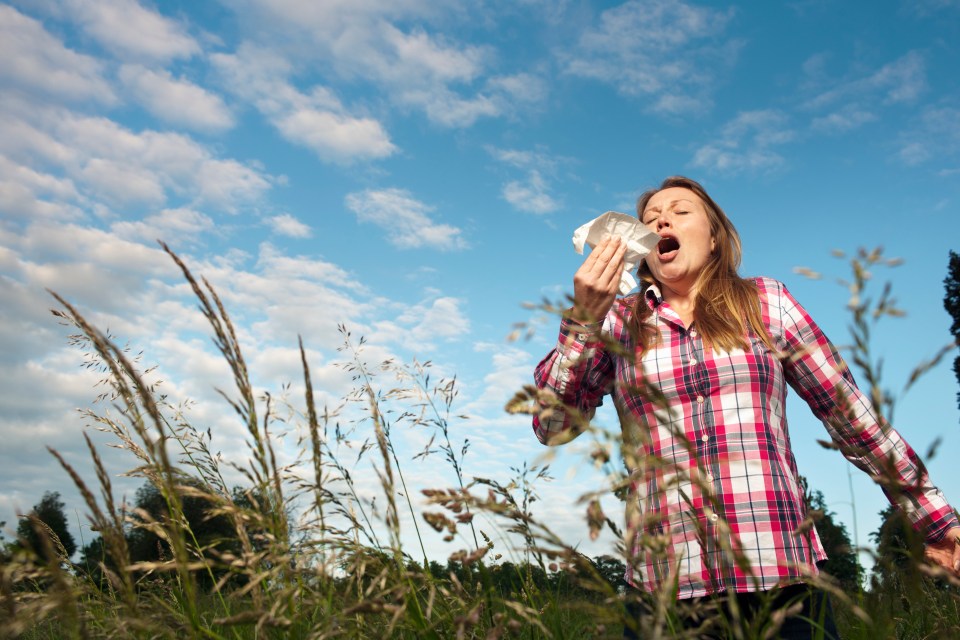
414,169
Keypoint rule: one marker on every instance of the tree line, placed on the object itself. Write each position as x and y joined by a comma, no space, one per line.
44,531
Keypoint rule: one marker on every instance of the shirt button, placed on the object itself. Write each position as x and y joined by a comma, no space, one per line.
709,477
699,399
693,332
714,517
704,438
693,362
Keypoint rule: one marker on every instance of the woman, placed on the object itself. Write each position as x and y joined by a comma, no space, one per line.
698,365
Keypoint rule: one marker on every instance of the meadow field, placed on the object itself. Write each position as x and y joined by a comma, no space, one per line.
298,552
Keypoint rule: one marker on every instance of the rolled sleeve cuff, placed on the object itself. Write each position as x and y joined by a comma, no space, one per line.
576,337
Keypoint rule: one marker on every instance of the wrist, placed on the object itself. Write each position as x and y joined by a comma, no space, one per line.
581,331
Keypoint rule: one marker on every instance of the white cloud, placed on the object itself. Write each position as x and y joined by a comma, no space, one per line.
902,80
520,87
316,120
746,143
227,183
448,108
442,318
174,226
531,194
846,119
122,185
935,135
334,135
926,8
136,291
129,29
423,56
658,49
418,68
286,225
28,193
511,368
405,219
90,267
420,326
33,59
176,101
123,168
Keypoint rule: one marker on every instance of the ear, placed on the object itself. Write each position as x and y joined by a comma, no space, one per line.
713,244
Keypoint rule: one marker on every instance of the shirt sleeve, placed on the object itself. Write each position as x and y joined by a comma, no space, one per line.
817,372
573,379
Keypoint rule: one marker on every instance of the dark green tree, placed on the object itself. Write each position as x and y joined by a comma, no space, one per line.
842,562
4,547
46,523
899,549
901,590
214,533
508,579
613,570
951,302
93,557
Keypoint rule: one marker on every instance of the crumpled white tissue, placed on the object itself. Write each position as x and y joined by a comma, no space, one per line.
640,241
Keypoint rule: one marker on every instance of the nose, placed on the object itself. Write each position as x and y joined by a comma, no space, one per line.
663,221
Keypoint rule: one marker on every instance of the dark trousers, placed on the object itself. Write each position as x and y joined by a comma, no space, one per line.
805,612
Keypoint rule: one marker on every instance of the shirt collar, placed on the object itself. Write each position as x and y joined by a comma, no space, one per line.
653,296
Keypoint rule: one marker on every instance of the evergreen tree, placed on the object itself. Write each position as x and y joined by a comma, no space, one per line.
47,517
4,547
93,557
951,302
216,533
899,549
842,562
613,570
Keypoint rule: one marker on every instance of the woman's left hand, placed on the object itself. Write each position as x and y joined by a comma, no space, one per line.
946,552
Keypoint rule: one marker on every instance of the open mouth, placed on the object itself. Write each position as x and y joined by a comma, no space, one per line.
667,245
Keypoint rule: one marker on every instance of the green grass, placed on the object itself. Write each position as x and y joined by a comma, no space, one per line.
306,557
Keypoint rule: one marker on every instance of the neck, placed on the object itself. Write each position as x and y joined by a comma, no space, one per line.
682,299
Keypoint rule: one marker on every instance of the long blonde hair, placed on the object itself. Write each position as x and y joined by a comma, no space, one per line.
726,304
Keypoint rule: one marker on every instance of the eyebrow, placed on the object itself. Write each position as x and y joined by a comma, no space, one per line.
669,204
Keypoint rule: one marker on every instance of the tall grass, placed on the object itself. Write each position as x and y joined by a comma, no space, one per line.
313,556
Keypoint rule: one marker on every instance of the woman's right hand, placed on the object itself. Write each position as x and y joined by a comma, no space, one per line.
597,281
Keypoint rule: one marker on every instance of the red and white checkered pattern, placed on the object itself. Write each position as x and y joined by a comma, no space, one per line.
718,477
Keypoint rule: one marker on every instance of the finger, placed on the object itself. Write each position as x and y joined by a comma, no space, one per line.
607,255
956,555
614,268
595,255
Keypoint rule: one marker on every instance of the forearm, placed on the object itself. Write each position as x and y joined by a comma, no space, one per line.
882,452
572,380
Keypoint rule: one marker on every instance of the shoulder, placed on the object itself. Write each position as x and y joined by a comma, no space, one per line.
769,290
772,295
767,285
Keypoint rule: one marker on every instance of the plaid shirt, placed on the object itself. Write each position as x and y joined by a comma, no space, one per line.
718,483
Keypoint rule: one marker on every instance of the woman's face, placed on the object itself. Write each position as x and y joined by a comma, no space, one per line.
680,218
